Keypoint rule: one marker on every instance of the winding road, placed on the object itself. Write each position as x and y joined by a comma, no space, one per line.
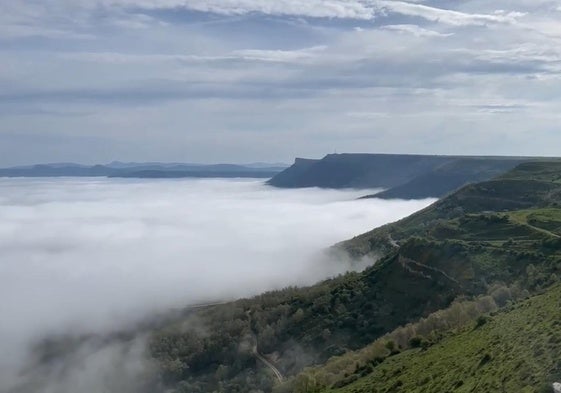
260,357
267,363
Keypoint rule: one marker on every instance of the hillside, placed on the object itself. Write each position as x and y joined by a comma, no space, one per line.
517,350
530,185
502,233
449,177
499,240
403,176
357,170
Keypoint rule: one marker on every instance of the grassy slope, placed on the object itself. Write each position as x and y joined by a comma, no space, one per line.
518,350
448,177
529,186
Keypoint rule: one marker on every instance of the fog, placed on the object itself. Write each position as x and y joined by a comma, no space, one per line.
93,255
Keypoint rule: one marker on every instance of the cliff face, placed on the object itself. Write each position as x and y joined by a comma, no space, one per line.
290,177
356,170
403,176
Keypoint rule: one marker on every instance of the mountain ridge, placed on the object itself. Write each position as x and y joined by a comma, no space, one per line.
142,170
403,176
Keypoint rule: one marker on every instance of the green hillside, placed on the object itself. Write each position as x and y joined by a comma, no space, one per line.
518,350
530,185
449,177
503,231
499,233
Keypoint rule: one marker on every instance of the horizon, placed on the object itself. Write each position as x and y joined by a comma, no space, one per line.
187,163
273,164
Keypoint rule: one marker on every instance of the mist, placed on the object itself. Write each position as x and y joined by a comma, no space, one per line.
95,255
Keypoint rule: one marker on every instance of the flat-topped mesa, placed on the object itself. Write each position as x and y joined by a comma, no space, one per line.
355,171
304,161
286,178
403,176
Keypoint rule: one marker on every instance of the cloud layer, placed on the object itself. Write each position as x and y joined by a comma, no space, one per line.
239,80
92,256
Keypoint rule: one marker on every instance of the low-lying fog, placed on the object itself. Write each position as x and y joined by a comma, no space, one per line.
91,255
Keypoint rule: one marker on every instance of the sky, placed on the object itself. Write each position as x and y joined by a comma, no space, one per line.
240,81
92,256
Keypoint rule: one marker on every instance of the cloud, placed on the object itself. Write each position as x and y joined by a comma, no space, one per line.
416,31
499,108
90,364
354,9
85,256
447,16
73,20
282,56
250,55
281,74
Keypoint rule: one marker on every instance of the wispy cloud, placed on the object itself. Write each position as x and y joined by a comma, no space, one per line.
416,30
258,55
447,16
353,9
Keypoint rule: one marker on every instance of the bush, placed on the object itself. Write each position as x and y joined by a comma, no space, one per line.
415,342
485,359
481,320
390,345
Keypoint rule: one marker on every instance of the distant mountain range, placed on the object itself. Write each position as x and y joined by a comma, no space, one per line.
145,170
402,176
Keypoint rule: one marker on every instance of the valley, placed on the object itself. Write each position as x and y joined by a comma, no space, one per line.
473,243
447,279
280,196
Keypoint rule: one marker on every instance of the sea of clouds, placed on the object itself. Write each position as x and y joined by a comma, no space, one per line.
94,255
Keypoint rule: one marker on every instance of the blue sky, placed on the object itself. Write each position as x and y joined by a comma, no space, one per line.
268,80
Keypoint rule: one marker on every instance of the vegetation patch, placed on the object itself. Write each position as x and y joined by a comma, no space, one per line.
515,351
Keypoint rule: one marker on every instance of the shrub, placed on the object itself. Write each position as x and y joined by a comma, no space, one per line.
415,342
481,320
390,345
